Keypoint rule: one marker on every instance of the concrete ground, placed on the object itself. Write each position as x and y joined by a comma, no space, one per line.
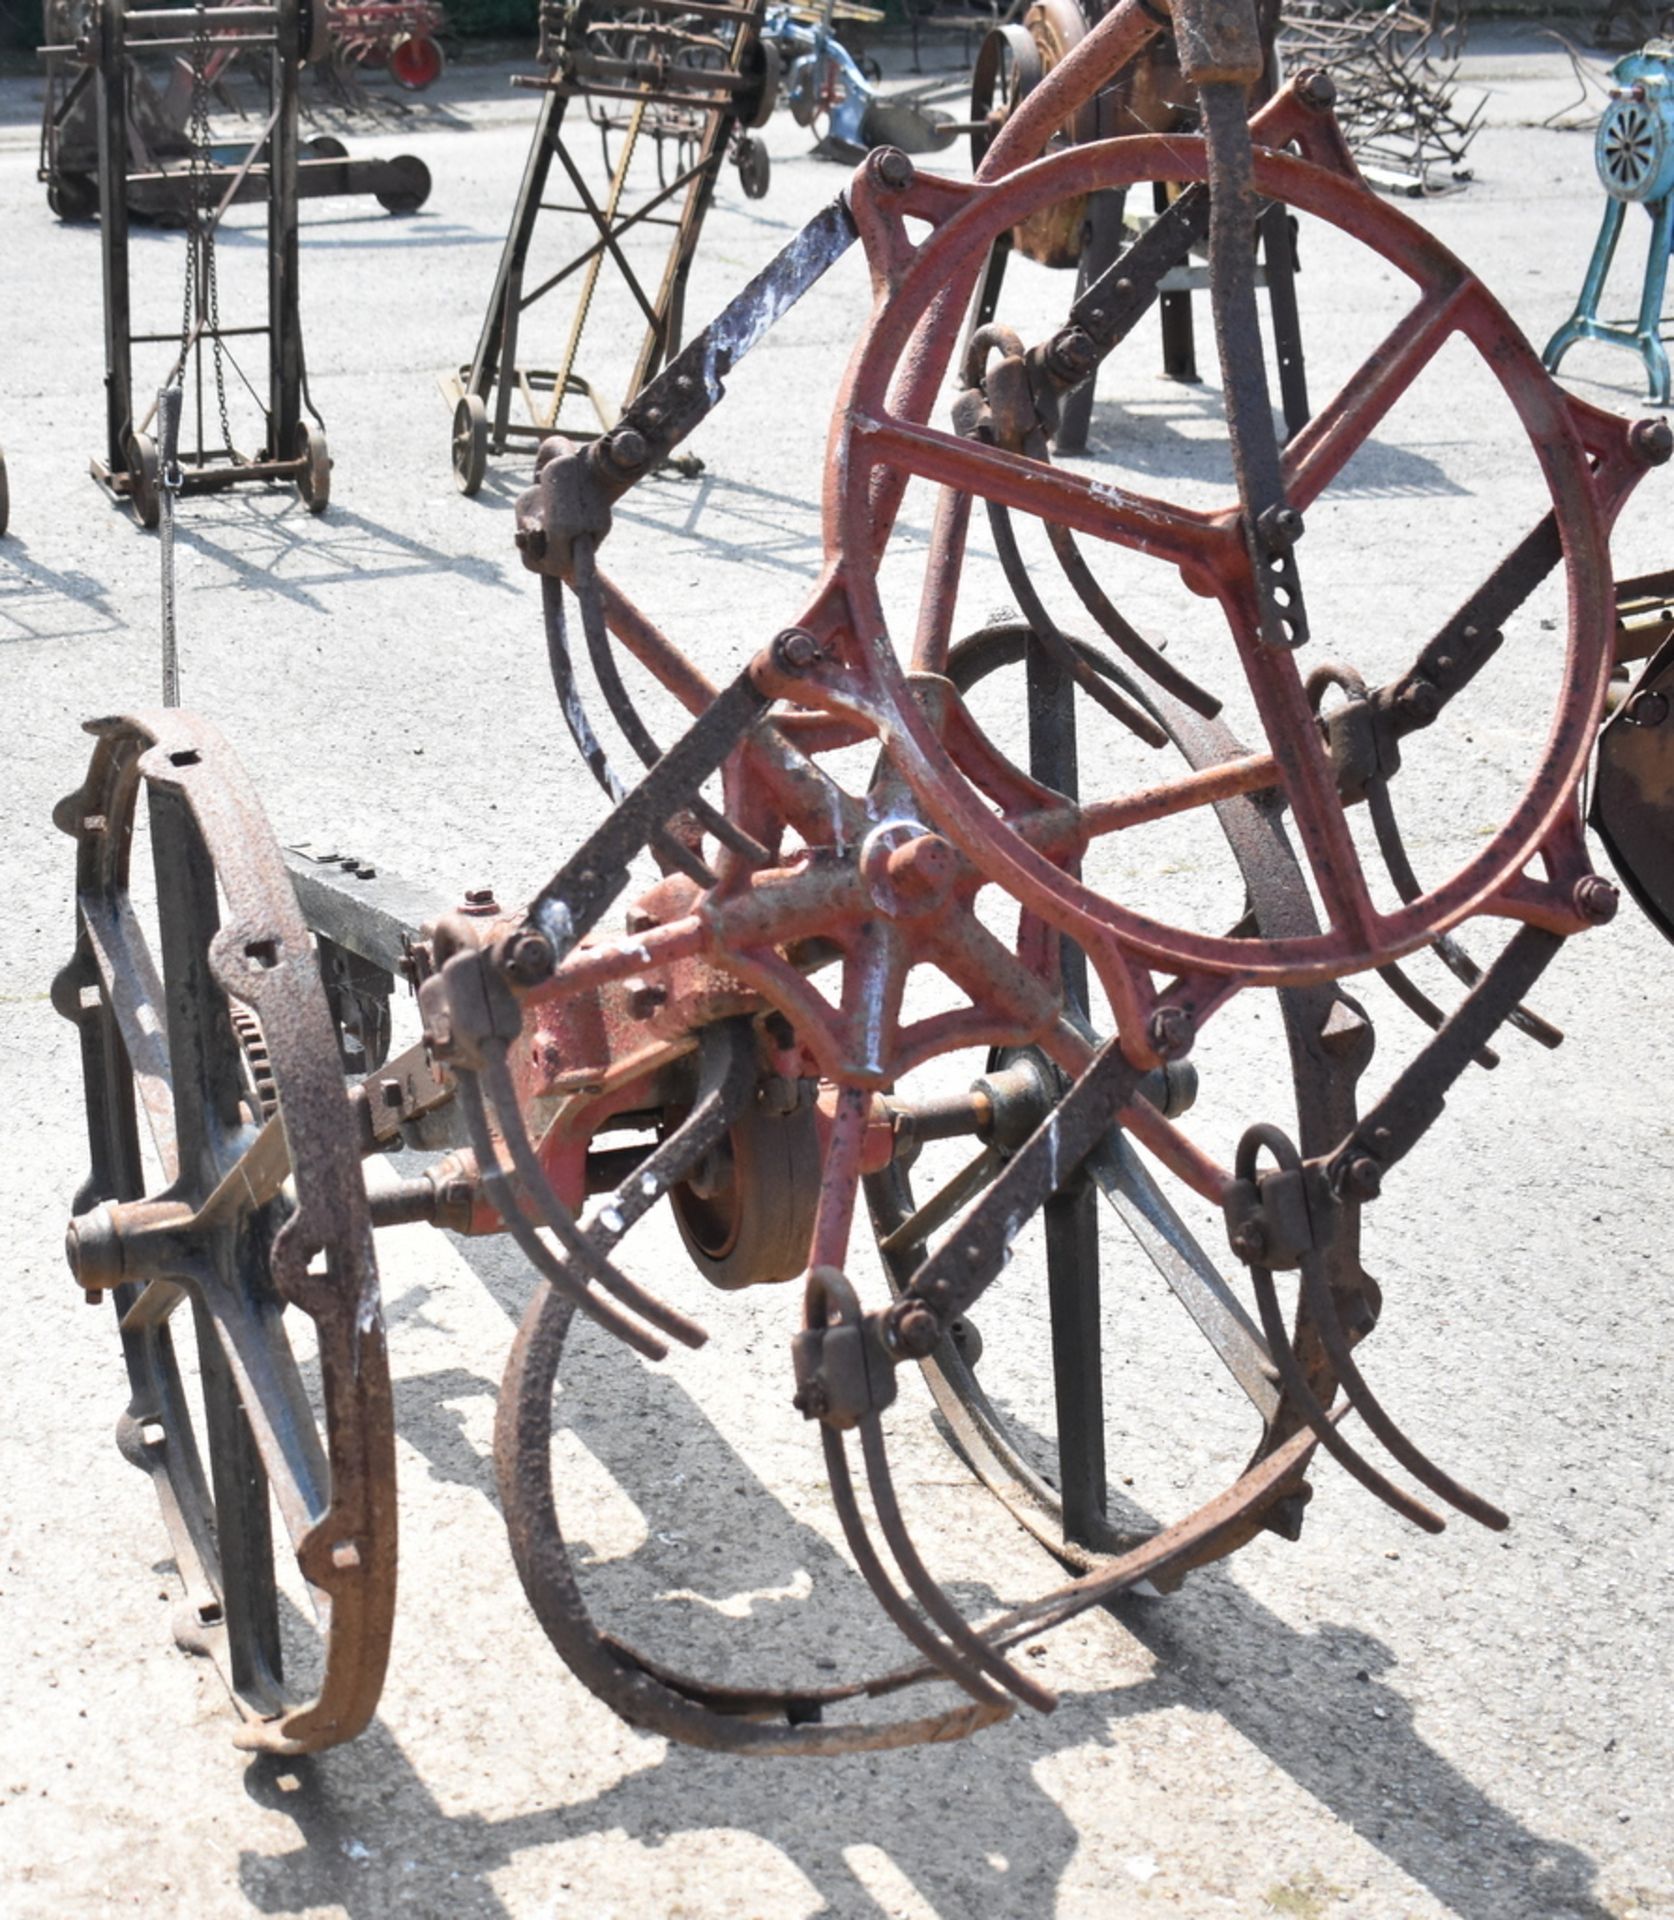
1367,1723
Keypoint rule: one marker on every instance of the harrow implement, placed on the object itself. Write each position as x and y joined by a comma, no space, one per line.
863,886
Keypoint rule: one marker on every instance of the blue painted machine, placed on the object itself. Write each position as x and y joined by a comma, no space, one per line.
1635,158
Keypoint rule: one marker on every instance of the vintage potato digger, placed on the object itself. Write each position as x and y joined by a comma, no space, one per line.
862,885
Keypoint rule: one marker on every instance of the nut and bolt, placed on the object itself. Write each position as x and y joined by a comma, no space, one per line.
893,169
531,542
626,450
914,1330
640,920
1280,528
1648,709
645,997
1171,1031
1316,89
529,959
1359,1178
1072,356
795,650
813,1402
1651,440
1595,899
1419,701
1249,1241
480,903
390,1093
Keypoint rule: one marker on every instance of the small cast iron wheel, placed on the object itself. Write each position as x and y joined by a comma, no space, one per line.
313,480
470,444
144,480
416,62
403,184
755,168
761,67
73,196
225,1213
324,146
748,1213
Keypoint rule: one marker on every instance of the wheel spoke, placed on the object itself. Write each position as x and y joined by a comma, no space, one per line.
134,994
1093,507
1338,431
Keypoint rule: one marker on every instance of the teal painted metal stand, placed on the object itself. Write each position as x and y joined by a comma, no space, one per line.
1645,338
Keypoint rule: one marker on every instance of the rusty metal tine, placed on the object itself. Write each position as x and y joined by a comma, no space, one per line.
552,1213
1324,1309
505,1197
946,1658
923,1586
1297,1389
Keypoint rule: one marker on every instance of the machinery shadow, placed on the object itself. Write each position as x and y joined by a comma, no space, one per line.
42,603
256,539
967,1828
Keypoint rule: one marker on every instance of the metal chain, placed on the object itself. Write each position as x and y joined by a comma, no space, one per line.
200,234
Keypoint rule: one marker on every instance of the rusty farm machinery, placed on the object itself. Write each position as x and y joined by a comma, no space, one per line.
858,980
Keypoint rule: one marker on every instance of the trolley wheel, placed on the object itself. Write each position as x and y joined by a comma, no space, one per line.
313,480
324,146
403,184
73,196
755,166
416,62
470,445
747,1213
144,479
762,66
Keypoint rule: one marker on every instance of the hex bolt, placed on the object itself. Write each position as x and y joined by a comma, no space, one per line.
639,920
795,650
1648,708
1595,899
1359,1178
529,959
1652,440
893,169
1072,355
531,542
1171,1031
914,1330
645,997
389,1091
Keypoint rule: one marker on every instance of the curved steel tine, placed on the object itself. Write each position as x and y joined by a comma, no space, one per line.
552,1213
1324,1309
1446,949
1296,1386
1137,648
946,1658
1416,1000
627,715
924,1587
726,1078
587,742
1045,630
504,1197
630,1685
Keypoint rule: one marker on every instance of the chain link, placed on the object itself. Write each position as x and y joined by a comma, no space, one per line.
200,232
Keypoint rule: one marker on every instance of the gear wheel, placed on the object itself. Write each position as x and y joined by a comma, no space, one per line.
257,1066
